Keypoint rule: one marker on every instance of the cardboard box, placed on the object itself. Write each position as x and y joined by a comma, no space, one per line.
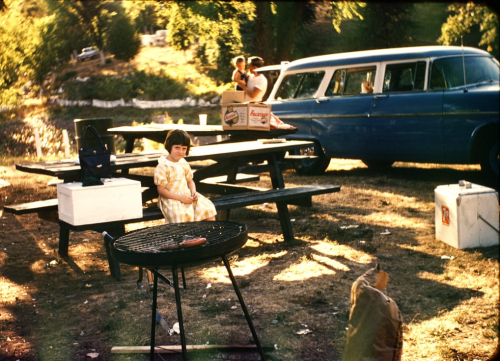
233,96
255,116
117,199
466,217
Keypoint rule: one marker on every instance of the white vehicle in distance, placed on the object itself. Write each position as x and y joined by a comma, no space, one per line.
88,53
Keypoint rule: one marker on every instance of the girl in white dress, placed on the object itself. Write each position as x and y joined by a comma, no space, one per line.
177,197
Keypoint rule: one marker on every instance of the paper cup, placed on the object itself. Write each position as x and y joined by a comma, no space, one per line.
203,119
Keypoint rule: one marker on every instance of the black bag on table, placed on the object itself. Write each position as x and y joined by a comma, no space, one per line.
95,163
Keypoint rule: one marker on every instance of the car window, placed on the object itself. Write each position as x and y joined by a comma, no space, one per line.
299,86
404,77
449,72
350,81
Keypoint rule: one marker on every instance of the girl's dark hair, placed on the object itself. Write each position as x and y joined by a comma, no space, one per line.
177,137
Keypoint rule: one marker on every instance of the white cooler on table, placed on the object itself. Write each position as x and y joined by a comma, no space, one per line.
117,199
466,215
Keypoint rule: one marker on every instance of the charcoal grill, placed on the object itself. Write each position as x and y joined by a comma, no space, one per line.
160,247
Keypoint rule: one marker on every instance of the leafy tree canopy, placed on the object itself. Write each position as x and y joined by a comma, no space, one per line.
463,17
123,42
37,34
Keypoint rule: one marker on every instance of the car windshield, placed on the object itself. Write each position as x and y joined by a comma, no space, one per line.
449,72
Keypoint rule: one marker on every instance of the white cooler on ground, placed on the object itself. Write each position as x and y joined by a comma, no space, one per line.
118,199
466,215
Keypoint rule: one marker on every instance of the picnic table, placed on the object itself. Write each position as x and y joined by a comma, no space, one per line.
158,133
228,159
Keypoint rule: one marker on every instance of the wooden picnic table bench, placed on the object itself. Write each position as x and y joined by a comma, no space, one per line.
282,197
226,160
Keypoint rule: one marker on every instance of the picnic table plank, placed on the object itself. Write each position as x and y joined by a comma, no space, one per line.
158,132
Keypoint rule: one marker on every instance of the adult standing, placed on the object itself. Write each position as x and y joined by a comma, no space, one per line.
257,83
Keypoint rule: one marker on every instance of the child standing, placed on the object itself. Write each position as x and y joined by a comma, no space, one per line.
177,197
239,73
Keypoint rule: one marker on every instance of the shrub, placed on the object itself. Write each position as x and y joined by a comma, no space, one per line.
77,90
138,85
67,76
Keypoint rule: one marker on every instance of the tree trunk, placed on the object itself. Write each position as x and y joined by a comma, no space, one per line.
103,57
289,16
263,43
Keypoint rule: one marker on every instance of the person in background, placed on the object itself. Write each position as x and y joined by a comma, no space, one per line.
177,197
257,83
239,73
366,87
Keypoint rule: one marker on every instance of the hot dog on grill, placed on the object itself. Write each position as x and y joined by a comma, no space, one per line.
193,242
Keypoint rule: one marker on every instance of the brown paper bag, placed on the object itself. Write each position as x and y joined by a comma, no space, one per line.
375,330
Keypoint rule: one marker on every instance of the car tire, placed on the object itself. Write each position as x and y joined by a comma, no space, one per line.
490,161
314,166
378,164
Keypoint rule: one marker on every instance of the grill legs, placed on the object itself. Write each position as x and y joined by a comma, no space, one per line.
175,277
153,318
244,308
175,284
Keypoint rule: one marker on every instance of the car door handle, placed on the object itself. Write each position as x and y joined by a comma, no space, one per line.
321,100
376,97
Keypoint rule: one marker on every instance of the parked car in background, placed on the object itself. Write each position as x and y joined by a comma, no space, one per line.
403,104
88,53
271,72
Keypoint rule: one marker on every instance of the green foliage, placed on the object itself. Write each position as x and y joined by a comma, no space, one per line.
140,85
123,42
214,26
181,27
66,76
70,35
386,26
23,48
463,17
36,34
158,86
9,96
76,90
94,17
146,15
83,23
416,24
43,58
342,10
291,19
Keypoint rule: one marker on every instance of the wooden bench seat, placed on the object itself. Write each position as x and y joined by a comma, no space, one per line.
47,209
289,195
282,197
32,207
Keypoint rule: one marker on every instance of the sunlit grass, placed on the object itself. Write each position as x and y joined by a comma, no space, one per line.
348,164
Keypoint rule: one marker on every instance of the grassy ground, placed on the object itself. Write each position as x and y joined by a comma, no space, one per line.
54,309
64,309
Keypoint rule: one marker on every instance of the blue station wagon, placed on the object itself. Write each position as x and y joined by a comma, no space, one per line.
402,104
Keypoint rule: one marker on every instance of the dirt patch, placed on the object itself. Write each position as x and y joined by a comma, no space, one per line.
71,309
